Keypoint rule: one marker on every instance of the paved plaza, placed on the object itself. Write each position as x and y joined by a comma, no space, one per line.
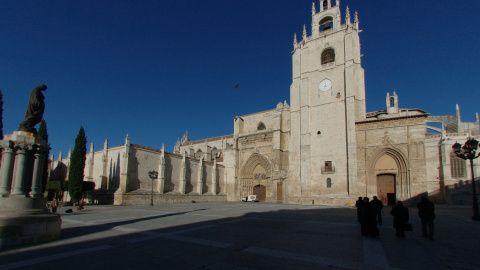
247,236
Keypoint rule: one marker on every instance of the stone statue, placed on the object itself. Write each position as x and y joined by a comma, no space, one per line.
35,109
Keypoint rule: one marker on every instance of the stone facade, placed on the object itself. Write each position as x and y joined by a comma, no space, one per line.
323,148
121,175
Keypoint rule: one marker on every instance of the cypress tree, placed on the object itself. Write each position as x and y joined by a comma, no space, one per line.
1,115
42,130
77,166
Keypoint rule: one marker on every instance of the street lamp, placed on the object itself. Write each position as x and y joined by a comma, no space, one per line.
153,175
468,151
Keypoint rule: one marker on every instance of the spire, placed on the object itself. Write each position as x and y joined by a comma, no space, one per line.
347,16
69,153
457,110
313,9
176,149
294,40
127,139
304,32
338,2
355,20
476,118
91,147
105,144
185,138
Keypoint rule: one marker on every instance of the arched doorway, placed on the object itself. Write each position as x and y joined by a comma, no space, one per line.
260,191
387,175
386,189
256,176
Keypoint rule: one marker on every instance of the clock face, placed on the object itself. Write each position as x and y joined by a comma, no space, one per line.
325,85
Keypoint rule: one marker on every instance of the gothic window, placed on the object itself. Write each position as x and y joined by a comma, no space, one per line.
328,56
199,154
325,5
457,167
392,102
329,182
261,126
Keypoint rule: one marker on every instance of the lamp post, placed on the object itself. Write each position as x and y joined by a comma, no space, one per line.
468,151
153,175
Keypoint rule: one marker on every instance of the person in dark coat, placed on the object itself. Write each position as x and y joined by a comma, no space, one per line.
400,218
368,221
377,207
358,204
372,220
364,213
426,212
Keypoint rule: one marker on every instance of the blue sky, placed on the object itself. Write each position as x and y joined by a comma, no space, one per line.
154,69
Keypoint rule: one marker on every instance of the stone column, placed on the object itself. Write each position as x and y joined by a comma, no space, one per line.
200,177
6,168
19,172
161,172
124,175
38,173
183,175
214,177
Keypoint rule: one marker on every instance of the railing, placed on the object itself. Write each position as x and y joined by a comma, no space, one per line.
327,170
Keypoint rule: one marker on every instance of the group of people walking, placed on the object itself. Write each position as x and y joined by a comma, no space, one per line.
369,214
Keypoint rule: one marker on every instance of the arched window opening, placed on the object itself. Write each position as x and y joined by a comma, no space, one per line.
329,182
328,56
261,126
457,167
199,154
325,4
392,102
325,24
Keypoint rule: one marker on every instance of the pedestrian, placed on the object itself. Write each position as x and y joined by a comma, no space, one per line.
358,204
426,212
400,218
372,220
377,207
364,216
54,205
368,223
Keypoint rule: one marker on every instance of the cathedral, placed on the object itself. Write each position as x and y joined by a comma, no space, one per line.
322,147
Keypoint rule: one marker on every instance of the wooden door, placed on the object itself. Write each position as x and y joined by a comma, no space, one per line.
386,188
279,191
260,191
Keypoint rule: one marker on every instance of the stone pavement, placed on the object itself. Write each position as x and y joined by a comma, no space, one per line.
247,236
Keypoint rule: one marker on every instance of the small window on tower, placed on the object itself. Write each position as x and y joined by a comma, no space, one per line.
325,4
329,182
392,102
328,56
261,126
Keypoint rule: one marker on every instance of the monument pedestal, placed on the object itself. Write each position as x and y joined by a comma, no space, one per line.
24,217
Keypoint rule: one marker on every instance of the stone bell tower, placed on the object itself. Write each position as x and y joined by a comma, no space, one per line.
327,97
